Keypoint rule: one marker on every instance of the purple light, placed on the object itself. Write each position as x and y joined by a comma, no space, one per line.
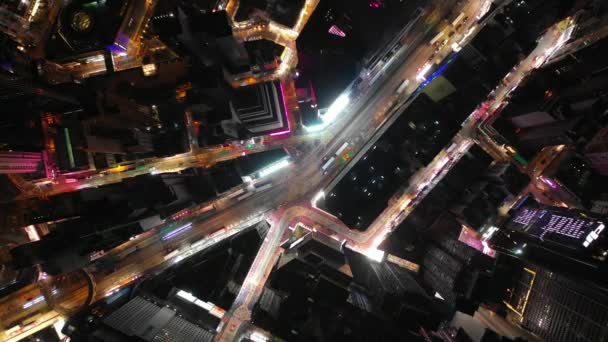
177,231
121,41
288,130
116,49
549,182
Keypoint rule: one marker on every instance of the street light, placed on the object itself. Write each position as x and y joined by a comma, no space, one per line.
375,254
316,198
276,166
315,128
336,108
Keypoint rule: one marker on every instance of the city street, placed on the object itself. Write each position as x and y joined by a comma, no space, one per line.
370,109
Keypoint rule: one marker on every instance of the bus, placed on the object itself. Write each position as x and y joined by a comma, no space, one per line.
458,19
328,164
263,187
236,193
242,197
341,149
437,37
171,254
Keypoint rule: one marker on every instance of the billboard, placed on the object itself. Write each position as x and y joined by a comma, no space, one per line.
472,238
569,228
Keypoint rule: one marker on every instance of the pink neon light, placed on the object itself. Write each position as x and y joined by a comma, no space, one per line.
288,130
375,4
336,31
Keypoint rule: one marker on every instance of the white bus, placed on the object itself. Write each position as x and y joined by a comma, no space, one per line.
341,149
458,19
328,164
263,187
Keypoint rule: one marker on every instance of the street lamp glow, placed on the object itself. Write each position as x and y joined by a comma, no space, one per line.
375,255
318,196
256,336
336,108
33,302
186,295
315,128
273,167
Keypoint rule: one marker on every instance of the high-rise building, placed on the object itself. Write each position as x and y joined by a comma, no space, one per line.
17,19
260,109
556,307
64,142
567,241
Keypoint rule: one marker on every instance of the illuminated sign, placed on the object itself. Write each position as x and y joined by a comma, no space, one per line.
473,239
593,235
570,229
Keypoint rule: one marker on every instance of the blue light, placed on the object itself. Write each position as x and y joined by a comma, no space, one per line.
116,49
437,73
